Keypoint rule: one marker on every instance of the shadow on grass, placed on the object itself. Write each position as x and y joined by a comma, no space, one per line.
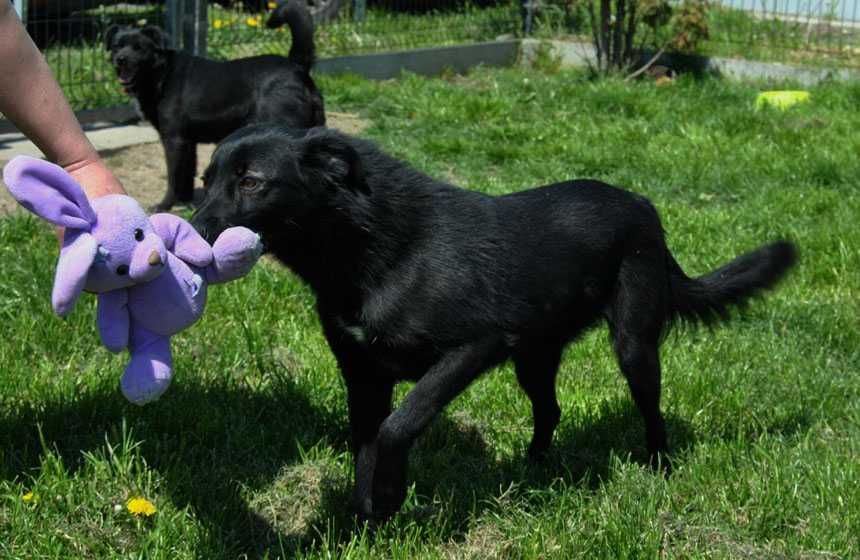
581,455
209,443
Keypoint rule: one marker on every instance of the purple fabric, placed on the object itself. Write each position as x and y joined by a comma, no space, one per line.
151,274
182,240
113,319
48,191
76,257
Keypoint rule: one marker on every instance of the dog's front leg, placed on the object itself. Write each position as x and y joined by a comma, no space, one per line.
181,158
444,381
369,404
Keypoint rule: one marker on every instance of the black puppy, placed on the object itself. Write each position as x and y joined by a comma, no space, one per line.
417,279
190,99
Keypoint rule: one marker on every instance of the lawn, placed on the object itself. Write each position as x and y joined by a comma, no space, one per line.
83,68
81,64
247,456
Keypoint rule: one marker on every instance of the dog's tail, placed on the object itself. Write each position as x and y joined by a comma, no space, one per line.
297,17
709,298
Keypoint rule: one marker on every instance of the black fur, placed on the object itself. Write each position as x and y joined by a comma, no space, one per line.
191,99
417,279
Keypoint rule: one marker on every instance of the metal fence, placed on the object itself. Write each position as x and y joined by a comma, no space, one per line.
812,32
366,26
816,31
70,31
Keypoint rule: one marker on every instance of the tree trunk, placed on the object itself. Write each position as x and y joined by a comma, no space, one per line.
605,14
619,48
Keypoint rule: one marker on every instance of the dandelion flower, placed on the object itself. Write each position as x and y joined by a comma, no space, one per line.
217,24
252,22
30,498
272,5
140,506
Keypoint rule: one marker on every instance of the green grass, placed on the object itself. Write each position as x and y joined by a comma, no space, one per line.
736,33
732,33
83,69
233,33
246,455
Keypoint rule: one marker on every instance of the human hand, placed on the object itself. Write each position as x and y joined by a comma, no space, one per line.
95,178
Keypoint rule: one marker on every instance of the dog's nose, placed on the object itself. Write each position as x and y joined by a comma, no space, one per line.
154,258
120,59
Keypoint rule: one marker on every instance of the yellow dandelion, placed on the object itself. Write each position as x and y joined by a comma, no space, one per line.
30,498
252,22
217,24
272,5
140,506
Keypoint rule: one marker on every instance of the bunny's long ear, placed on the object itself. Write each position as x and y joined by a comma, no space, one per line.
76,258
48,191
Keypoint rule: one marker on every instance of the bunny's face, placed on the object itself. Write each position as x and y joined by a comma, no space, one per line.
128,250
108,244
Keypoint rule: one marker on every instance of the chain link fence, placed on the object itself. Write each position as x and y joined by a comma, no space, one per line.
805,30
811,32
818,32
346,27
70,32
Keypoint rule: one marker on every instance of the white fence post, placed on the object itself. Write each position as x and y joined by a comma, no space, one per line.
21,8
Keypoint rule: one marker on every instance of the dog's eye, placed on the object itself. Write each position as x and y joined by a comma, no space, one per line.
138,234
122,269
248,183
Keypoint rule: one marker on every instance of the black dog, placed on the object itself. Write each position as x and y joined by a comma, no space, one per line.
191,99
417,279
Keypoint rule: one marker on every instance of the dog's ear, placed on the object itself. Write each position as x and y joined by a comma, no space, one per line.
157,36
110,33
331,158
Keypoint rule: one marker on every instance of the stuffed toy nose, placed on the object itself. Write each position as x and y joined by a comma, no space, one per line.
148,262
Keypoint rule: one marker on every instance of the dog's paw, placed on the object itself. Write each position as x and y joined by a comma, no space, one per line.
389,487
537,456
661,463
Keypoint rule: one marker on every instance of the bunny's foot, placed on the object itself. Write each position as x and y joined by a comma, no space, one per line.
149,372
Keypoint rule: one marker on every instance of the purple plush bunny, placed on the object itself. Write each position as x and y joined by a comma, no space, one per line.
150,272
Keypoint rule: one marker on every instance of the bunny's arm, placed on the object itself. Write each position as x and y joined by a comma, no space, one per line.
113,319
182,239
235,253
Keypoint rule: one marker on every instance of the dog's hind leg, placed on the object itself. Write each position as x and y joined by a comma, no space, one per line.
536,367
636,318
181,158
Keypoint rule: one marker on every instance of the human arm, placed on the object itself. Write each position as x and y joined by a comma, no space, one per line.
31,98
